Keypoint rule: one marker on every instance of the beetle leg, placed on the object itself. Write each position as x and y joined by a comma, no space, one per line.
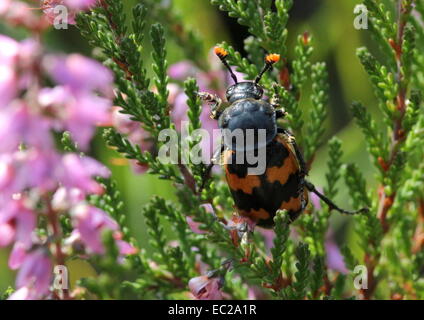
279,113
330,203
309,186
275,103
215,102
216,159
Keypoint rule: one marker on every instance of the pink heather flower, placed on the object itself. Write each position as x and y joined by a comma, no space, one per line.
124,247
90,223
78,172
73,6
80,4
205,288
64,199
35,273
15,57
4,5
18,124
17,256
7,234
179,116
19,13
78,113
315,200
195,226
80,74
51,12
182,70
27,169
8,77
134,132
335,260
179,113
269,236
23,293
7,173
16,223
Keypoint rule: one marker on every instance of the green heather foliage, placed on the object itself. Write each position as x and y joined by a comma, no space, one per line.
387,239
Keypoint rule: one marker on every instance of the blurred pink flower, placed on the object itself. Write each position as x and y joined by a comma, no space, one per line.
315,200
124,247
16,223
19,13
78,172
76,241
32,170
182,70
195,226
27,169
35,273
23,293
73,6
90,222
135,134
17,255
206,288
7,234
16,61
80,74
269,236
335,260
52,11
79,113
8,77
132,129
19,124
65,198
79,4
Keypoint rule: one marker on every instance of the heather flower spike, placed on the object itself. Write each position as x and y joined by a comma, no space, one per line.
206,287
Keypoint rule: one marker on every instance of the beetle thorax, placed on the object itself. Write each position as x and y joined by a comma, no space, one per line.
252,115
243,90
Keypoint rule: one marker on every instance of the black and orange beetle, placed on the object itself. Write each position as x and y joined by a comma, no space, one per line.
282,185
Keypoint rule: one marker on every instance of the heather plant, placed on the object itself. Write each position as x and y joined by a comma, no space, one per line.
58,204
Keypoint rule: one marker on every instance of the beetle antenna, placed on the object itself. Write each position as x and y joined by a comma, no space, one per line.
222,55
270,59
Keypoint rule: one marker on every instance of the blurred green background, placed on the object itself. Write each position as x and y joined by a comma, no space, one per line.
330,22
